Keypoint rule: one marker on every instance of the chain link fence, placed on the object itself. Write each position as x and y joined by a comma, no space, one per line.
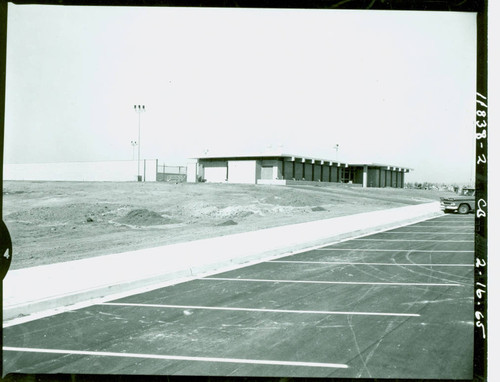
172,174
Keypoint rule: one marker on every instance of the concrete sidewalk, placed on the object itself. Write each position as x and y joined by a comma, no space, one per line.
32,290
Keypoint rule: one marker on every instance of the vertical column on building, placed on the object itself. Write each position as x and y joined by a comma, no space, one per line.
365,176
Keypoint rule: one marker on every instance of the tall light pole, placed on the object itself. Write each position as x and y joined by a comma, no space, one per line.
139,109
337,152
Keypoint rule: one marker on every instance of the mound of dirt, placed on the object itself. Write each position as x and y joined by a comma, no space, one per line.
233,212
288,199
66,213
227,222
319,208
143,217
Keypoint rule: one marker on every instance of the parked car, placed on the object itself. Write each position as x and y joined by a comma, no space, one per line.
463,203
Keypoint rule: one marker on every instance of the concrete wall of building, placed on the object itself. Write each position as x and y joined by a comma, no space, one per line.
317,172
112,171
266,172
334,174
278,174
326,173
400,179
288,170
322,172
299,170
242,171
388,178
358,175
214,171
307,171
394,179
258,169
250,171
382,178
373,179
271,169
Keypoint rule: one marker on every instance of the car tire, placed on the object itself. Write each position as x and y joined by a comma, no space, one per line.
463,209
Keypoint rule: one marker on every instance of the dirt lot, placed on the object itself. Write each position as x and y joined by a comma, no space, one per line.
59,221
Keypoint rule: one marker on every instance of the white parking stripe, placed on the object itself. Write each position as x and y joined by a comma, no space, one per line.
262,310
392,250
346,263
462,219
328,282
439,241
176,357
428,233
441,226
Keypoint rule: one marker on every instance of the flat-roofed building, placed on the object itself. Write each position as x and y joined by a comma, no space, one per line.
279,168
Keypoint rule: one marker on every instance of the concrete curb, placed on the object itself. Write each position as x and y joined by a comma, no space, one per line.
33,290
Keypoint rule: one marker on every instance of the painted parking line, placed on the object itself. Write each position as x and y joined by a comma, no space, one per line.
403,251
427,233
262,310
463,221
330,282
446,229
175,357
441,225
388,264
406,240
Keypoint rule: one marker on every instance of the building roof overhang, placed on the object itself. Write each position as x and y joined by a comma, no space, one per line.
382,166
301,159
274,155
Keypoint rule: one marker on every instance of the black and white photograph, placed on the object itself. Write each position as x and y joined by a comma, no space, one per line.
236,191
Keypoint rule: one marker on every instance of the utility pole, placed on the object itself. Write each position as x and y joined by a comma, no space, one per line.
139,109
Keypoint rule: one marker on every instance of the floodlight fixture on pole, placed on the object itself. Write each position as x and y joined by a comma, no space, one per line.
139,109
133,143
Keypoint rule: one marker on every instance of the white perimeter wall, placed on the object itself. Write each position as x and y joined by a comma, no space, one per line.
242,171
114,171
192,173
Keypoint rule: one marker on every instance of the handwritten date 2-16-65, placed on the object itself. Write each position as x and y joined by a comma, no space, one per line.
480,294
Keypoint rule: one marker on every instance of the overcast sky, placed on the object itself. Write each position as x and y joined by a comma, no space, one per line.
388,87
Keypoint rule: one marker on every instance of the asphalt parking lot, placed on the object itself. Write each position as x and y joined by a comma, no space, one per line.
395,304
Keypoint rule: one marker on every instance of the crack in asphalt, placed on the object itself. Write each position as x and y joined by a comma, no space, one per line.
376,343
429,276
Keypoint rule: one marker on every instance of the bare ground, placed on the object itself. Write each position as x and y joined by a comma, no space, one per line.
60,221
